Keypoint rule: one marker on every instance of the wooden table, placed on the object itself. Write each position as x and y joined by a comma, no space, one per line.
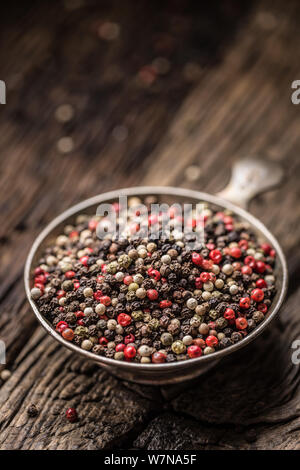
227,93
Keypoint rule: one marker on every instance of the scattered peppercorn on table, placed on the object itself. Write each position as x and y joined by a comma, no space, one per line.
118,105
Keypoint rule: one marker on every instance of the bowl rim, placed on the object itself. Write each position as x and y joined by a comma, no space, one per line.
165,191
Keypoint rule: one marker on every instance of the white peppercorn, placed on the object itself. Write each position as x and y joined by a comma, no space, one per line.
191,303
35,293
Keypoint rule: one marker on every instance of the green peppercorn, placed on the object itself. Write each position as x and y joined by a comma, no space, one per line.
67,286
112,267
81,331
130,295
124,261
119,356
221,323
101,324
144,350
133,287
166,339
137,315
154,324
258,316
178,347
213,314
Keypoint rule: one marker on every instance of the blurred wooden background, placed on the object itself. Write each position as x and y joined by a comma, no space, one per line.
110,94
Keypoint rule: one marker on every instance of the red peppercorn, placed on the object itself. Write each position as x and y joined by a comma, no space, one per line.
152,294
71,415
129,339
204,277
120,347
229,315
39,285
128,280
134,228
198,283
227,219
38,271
207,264
257,295
69,274
60,294
41,278
97,295
266,248
262,308
153,219
165,303
104,268
236,266
129,352
80,322
197,258
124,319
68,334
116,206
93,225
210,246
105,300
103,341
261,283
100,278
194,351
84,260
245,302
154,273
250,261
235,252
273,253
74,234
241,323
211,341
215,256
79,314
199,342
247,270
243,244
260,267
158,357
76,285
61,325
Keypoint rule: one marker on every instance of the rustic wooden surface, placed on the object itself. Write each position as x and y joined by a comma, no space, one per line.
227,94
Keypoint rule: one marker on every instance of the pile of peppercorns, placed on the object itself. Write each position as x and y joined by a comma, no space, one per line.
156,301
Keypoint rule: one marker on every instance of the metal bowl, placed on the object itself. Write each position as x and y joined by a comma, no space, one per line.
158,374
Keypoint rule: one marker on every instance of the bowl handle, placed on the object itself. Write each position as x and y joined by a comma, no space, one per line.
249,177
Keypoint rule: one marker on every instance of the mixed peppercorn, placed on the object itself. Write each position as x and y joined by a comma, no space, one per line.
156,301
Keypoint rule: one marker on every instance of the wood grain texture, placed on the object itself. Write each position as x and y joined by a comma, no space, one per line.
227,94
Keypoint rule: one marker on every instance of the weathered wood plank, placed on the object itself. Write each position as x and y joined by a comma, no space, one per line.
235,103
